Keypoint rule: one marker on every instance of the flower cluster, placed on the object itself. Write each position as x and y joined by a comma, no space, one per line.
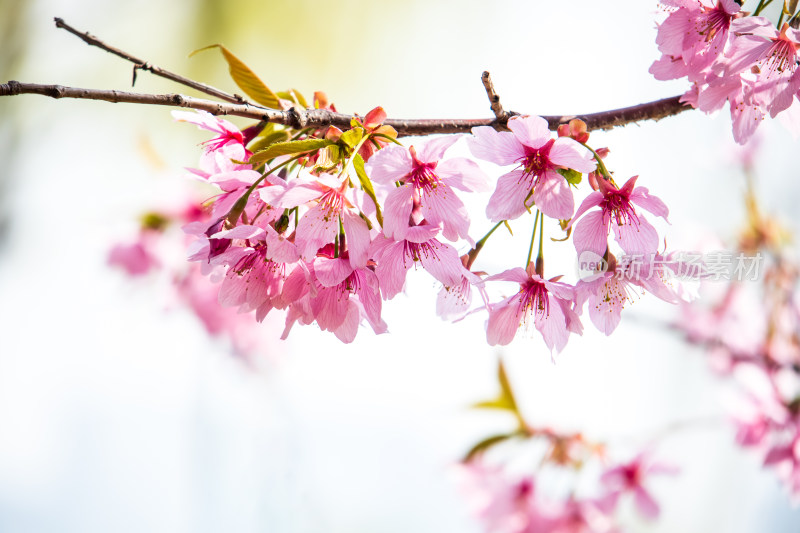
751,332
509,497
730,57
312,222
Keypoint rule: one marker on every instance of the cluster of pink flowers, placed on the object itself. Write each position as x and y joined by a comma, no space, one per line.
144,257
322,228
730,57
751,332
510,498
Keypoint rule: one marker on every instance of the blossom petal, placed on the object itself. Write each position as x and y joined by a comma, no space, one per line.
442,262
463,174
641,197
397,210
507,200
442,206
553,196
591,234
637,238
503,323
433,150
499,147
358,239
569,153
389,164
318,227
530,130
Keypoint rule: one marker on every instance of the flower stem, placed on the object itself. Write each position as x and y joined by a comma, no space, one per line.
238,208
600,165
533,239
473,254
540,257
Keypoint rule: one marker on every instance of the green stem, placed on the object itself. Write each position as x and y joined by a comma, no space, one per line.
533,239
473,254
238,208
761,6
600,165
540,257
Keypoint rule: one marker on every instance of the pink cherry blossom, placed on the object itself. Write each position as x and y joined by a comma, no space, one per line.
630,478
135,258
330,206
632,231
773,56
426,182
693,37
395,258
545,304
227,132
529,146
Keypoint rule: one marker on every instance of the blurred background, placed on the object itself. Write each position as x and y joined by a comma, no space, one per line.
117,413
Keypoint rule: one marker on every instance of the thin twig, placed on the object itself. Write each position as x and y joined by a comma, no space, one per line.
140,64
494,98
299,118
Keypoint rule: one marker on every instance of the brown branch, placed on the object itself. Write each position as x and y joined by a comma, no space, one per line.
140,64
494,98
301,118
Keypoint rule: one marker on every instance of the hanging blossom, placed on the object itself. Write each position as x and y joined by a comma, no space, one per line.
426,182
743,60
537,156
632,231
545,304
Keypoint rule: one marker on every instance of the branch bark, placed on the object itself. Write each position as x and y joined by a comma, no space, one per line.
302,118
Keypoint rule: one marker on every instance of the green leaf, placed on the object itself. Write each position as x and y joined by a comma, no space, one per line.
352,137
487,443
573,177
261,143
505,401
293,95
288,148
366,184
246,79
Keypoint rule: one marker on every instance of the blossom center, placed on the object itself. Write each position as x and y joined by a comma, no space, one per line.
617,205
781,56
533,299
711,22
537,160
422,175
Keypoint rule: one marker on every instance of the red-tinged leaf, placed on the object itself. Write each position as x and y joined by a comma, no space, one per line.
374,118
246,79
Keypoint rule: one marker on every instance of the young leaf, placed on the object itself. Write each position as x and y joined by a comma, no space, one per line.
485,444
352,137
246,79
294,96
366,184
506,399
288,148
261,143
573,176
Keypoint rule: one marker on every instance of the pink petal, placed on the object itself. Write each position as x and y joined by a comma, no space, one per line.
645,503
553,196
641,197
433,150
569,153
503,323
389,164
591,234
331,272
420,234
241,232
397,210
442,262
442,206
553,326
530,130
318,227
391,270
595,198
606,313
637,239
297,195
358,239
463,174
507,201
279,249
329,308
347,331
499,147
516,274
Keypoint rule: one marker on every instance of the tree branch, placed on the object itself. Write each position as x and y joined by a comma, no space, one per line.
302,118
140,64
